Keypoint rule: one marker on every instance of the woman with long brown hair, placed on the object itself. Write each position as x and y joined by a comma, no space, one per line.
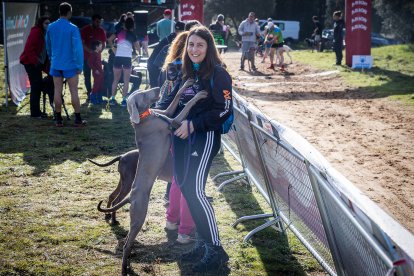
171,69
197,141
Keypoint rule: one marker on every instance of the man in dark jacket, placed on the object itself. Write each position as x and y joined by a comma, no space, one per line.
317,32
157,57
339,25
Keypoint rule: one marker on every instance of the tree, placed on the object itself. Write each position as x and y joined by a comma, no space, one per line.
237,11
397,18
331,6
297,10
302,11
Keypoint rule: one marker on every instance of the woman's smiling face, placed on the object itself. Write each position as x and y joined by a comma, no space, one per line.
196,48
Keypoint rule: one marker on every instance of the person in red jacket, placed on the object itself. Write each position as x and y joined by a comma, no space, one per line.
34,58
89,34
95,63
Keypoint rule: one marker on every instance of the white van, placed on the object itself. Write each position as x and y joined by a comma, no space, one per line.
290,29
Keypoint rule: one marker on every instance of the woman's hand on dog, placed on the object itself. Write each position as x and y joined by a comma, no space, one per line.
182,131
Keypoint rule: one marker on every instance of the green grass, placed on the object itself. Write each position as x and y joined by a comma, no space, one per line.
49,192
391,75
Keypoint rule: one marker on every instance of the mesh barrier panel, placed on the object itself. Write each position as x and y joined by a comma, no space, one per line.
357,255
292,189
229,140
294,170
248,149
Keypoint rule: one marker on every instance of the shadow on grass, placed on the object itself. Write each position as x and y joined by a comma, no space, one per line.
149,255
272,246
42,145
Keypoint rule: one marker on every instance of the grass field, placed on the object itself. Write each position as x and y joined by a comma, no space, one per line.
392,73
49,192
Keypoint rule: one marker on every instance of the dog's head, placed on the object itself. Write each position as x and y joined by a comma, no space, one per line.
139,101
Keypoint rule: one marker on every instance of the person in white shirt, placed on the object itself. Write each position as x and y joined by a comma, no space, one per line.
249,31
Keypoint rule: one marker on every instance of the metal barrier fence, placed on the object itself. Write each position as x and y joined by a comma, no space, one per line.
332,219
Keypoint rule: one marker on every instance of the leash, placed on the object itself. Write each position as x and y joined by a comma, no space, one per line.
190,139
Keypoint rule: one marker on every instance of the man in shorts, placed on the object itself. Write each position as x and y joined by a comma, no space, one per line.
277,47
64,47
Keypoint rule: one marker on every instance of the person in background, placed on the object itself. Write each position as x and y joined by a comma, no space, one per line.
339,25
277,46
126,41
108,67
164,27
90,33
121,23
317,33
95,64
249,31
155,61
143,45
178,215
268,41
171,69
191,23
201,63
64,47
266,28
34,59
220,30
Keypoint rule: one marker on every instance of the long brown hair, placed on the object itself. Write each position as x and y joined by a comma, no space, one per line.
210,61
176,50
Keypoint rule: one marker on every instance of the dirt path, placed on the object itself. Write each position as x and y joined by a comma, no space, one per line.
368,139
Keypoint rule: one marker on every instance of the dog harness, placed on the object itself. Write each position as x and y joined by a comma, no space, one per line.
145,114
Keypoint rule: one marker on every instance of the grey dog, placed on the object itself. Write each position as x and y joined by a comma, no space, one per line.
152,137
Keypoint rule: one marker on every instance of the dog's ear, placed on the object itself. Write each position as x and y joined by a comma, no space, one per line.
132,106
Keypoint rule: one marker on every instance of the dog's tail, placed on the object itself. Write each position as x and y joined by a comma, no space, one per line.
106,164
113,208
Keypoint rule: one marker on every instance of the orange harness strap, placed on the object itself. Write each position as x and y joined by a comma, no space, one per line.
145,114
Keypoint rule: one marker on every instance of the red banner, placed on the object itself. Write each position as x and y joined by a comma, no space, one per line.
358,28
191,10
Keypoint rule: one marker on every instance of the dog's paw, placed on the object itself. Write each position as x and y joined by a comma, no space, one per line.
202,94
188,83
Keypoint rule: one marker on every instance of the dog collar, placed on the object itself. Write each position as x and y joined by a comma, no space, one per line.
145,114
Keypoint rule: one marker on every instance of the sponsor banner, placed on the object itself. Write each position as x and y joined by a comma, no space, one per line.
358,29
361,62
191,10
20,18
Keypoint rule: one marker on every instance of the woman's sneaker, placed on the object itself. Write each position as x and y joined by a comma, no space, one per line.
195,254
59,123
184,239
214,258
112,102
171,226
79,123
123,103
